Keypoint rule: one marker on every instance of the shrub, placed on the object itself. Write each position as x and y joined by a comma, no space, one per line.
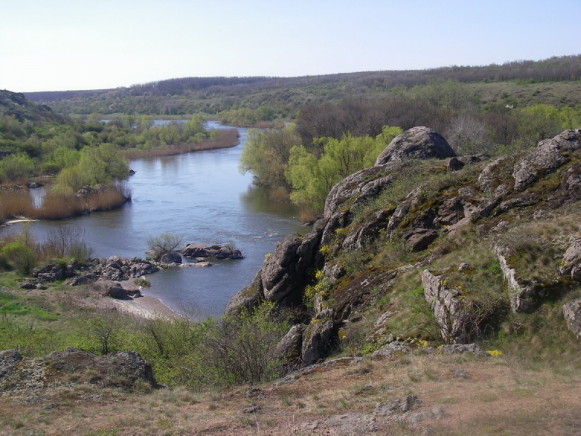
162,244
19,256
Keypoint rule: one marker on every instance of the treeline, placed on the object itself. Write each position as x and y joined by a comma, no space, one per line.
285,96
332,140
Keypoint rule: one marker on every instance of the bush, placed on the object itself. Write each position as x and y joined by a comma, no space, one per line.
240,348
162,244
19,256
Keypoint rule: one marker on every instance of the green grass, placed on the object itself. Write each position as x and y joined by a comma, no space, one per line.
15,305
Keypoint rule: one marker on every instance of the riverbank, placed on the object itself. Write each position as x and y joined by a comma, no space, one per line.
225,138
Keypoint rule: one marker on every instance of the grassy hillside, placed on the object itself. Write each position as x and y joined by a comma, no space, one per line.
518,81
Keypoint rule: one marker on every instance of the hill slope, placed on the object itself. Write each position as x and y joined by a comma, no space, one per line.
286,95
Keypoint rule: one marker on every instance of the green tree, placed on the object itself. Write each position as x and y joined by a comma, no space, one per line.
312,178
266,154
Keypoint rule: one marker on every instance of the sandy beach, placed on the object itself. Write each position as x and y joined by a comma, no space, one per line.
144,306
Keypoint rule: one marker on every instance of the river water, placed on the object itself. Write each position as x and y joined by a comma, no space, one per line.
202,197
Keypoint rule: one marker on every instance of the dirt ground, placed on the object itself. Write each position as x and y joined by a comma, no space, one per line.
411,394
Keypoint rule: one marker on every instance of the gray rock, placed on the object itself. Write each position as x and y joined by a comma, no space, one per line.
290,346
455,316
523,296
393,349
8,358
117,291
571,264
455,164
572,314
420,239
317,341
124,369
216,251
416,143
397,407
549,155
173,257
360,186
461,349
488,178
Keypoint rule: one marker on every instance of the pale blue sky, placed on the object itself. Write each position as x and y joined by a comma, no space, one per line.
77,44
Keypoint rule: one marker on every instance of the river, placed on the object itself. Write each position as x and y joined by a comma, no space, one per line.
202,197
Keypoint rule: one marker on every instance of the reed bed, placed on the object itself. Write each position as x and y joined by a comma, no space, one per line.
18,203
225,138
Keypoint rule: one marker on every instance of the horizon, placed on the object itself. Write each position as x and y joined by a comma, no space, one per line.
67,46
295,77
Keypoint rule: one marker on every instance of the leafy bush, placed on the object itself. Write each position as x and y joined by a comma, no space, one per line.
19,256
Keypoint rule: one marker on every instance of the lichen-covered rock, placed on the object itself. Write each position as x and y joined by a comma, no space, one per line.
572,314
285,273
393,349
455,316
420,239
524,296
8,358
215,251
317,340
124,369
549,155
288,350
358,187
416,143
571,264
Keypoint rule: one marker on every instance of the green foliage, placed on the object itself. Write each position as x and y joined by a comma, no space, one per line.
96,166
266,154
312,177
19,256
16,167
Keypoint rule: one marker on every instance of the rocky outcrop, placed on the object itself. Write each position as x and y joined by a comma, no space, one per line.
524,295
284,275
215,251
289,348
77,273
416,143
549,155
124,369
572,314
318,339
571,263
456,316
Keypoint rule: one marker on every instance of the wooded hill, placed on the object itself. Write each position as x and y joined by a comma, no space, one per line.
518,82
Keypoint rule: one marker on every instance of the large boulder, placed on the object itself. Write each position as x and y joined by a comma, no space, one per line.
124,369
572,314
285,273
317,339
216,251
549,155
416,143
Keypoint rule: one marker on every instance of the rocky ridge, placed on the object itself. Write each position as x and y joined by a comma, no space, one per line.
424,204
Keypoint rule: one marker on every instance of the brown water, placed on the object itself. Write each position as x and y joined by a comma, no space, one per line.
201,197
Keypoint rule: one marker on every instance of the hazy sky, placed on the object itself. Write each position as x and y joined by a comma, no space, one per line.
79,44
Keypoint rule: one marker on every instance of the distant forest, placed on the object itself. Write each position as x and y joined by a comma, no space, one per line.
518,82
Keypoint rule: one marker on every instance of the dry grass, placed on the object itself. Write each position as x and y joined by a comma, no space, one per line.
494,396
17,203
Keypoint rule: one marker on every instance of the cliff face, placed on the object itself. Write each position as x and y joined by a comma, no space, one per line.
425,246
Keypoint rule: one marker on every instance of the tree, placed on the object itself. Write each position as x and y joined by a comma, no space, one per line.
266,154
